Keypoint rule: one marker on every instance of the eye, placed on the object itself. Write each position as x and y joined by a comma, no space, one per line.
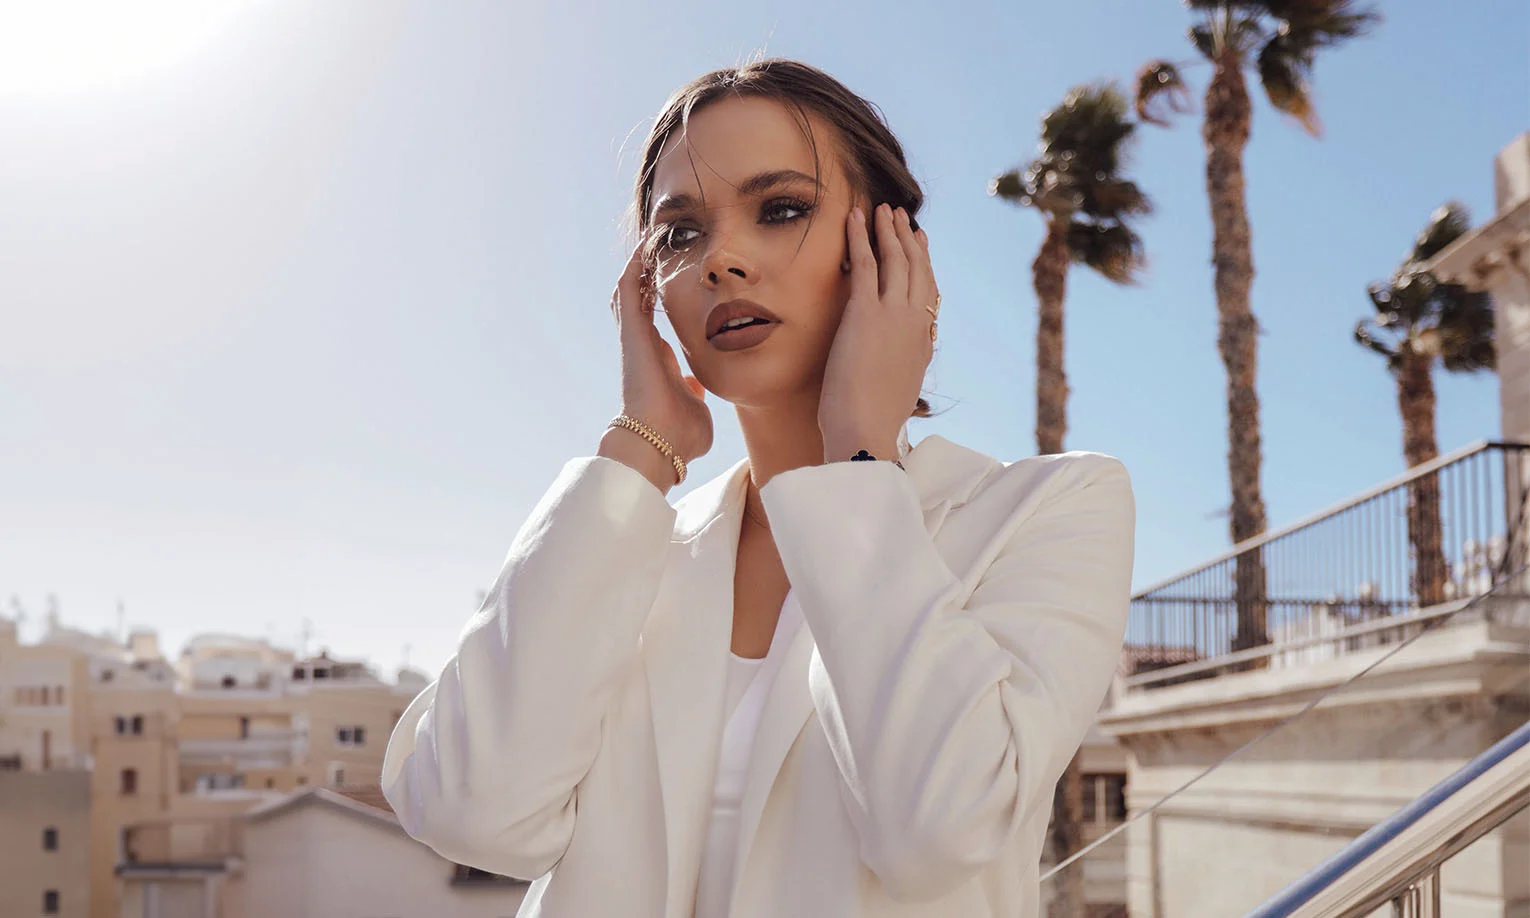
776,212
788,204
667,238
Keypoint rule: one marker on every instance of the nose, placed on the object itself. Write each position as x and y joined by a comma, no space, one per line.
711,273
722,259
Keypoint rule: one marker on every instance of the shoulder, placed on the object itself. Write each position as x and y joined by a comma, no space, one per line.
1075,489
963,475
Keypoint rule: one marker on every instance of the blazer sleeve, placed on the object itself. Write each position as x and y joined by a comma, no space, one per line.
951,718
484,764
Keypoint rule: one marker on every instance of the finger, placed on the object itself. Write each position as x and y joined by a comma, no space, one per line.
863,264
921,280
628,299
894,264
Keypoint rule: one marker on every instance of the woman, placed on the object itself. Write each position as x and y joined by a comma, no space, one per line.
919,638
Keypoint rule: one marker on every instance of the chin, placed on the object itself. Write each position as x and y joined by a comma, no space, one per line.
754,383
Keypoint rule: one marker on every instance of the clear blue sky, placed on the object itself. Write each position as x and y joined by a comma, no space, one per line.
302,310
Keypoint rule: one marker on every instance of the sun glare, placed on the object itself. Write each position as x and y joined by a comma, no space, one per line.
66,47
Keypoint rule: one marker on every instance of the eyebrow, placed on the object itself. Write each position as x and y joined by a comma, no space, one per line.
755,184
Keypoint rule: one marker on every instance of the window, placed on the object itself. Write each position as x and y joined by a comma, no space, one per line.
1115,797
129,781
121,725
302,779
297,674
229,682
50,902
50,839
58,694
217,782
343,736
244,728
137,724
359,736
321,672
270,782
1104,797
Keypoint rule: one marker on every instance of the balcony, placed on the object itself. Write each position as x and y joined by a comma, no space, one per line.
1281,700
180,847
1368,572
271,749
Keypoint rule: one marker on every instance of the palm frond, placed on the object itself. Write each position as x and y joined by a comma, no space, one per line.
1011,187
1159,87
1077,168
1282,73
1426,316
1115,198
1313,24
1111,248
1204,39
1365,338
1467,339
1381,298
1090,123
1449,222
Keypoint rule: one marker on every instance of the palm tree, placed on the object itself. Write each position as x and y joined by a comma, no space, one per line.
1420,320
1279,39
1075,183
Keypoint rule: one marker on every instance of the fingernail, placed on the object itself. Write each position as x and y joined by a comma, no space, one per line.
856,212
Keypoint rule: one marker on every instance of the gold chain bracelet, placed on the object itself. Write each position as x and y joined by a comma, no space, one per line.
647,433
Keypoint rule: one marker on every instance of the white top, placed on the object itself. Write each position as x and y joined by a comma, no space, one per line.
749,682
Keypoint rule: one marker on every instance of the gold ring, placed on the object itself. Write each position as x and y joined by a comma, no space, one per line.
932,330
934,313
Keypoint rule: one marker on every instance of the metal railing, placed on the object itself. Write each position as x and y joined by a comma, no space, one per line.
1398,860
1365,572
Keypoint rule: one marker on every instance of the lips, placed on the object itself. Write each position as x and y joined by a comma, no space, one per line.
724,313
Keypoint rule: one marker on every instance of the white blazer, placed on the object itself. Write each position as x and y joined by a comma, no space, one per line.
961,623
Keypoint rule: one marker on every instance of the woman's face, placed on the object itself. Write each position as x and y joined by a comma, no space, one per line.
730,222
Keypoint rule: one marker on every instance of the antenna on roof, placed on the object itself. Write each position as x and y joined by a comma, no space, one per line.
121,628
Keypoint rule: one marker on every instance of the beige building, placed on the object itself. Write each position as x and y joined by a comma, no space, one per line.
43,715
322,854
44,843
165,759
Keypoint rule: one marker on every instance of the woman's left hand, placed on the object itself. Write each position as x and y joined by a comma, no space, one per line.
883,345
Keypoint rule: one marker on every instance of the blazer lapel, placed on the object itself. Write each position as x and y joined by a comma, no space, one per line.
685,652
944,475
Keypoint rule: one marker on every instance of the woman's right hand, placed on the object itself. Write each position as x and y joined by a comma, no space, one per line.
654,391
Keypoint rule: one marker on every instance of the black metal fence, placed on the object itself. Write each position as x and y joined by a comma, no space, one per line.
1378,556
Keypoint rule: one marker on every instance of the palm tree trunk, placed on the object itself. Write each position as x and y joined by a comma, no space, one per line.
1415,400
1226,132
1066,836
1049,273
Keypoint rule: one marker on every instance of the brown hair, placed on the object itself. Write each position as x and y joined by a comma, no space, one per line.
871,156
